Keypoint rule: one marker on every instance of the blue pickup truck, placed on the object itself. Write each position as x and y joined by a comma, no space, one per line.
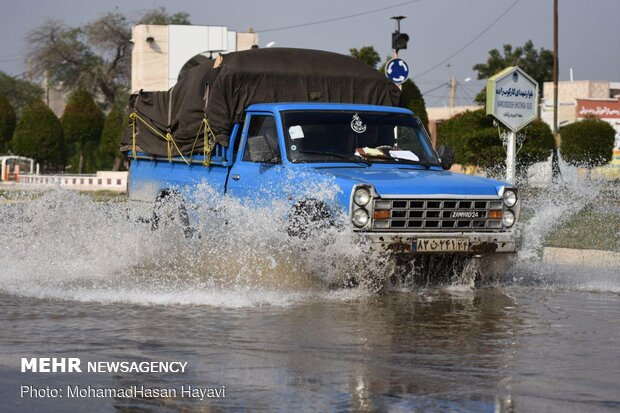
392,187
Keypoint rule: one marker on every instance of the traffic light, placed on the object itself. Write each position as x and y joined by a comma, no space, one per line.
399,40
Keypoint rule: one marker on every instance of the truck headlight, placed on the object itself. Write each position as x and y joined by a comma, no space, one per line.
508,219
510,198
360,218
361,196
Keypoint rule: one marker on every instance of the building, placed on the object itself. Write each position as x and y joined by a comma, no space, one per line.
161,53
577,99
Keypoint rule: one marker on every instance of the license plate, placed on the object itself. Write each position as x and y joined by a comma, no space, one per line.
441,245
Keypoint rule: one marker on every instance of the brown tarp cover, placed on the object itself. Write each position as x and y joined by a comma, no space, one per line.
240,79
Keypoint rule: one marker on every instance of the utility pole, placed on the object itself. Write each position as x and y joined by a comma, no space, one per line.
452,93
555,164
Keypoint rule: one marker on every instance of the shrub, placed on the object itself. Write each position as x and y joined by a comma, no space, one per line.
18,92
82,122
538,144
39,135
113,127
7,123
588,142
412,99
475,141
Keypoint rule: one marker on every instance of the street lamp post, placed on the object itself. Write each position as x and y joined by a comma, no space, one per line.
399,41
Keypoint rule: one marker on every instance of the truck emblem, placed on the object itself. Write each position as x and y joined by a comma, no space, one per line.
357,125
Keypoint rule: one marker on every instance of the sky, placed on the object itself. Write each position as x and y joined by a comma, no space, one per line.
447,37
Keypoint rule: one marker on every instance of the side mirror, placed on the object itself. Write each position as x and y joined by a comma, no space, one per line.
446,156
260,150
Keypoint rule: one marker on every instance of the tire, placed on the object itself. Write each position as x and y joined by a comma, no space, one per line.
494,266
169,209
307,216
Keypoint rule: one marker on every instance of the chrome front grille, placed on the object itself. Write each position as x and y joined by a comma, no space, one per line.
437,215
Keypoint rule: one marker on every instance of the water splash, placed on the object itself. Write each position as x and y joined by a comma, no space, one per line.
64,245
550,208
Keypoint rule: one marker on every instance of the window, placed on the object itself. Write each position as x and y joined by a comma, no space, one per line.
340,136
262,142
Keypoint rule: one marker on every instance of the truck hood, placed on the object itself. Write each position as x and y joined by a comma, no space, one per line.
411,181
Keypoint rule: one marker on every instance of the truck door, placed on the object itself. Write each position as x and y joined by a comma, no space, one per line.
258,174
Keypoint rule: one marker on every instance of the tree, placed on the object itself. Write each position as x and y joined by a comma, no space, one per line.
7,123
18,92
366,54
538,144
113,127
39,135
475,141
82,122
162,17
536,63
95,57
588,142
412,99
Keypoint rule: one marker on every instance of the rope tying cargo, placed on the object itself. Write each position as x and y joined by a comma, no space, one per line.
205,128
167,137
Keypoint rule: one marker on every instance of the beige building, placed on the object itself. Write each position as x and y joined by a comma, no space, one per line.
161,53
569,92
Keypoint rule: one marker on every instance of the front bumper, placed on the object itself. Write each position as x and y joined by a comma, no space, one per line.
479,242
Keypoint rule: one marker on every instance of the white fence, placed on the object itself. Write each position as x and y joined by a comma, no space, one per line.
102,181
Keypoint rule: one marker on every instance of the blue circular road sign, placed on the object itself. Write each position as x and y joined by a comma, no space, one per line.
397,70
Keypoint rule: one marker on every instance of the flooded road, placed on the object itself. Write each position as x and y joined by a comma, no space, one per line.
255,315
507,349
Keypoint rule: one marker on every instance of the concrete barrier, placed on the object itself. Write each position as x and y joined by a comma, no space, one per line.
102,181
581,258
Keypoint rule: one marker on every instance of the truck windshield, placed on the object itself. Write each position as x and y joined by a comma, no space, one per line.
348,136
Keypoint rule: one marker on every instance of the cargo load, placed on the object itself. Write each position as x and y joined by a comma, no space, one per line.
209,99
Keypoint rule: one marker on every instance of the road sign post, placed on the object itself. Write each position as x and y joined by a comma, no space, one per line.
512,98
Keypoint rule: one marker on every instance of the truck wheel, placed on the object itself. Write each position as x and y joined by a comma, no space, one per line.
411,271
308,215
169,209
494,266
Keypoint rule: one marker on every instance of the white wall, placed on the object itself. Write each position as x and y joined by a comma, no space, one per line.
186,42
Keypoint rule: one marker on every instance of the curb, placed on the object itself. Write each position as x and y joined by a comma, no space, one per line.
581,258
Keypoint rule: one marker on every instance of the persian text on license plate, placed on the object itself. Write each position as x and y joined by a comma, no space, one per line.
442,245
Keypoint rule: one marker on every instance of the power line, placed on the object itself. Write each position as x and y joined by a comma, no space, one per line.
486,29
432,104
444,84
466,94
334,19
